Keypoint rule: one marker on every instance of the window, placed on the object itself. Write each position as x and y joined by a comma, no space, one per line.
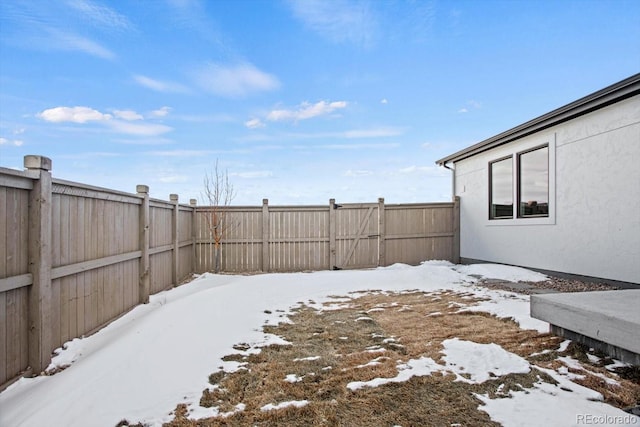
533,183
501,187
527,185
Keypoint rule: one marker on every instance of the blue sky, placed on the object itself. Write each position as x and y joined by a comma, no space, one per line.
300,101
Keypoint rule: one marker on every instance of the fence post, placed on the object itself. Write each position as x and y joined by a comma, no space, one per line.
381,233
40,254
143,285
332,234
265,236
194,237
175,262
455,256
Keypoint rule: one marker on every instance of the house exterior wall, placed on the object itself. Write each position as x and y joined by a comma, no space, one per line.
593,227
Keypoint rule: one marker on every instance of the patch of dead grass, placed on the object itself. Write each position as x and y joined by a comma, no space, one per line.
620,388
363,340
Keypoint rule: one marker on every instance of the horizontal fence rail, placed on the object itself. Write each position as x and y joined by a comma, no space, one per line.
74,257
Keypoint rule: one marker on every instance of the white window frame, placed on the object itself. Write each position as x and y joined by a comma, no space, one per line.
518,148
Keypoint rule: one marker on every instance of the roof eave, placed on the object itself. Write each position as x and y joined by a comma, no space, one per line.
611,94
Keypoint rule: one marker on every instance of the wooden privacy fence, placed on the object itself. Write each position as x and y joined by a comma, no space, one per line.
74,257
334,236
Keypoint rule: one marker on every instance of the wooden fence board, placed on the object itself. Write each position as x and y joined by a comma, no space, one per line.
184,262
4,244
13,331
80,305
5,374
16,231
91,277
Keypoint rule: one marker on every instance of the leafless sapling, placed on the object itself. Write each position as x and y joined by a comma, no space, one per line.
218,194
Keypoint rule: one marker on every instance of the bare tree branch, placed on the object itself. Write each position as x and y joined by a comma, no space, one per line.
218,194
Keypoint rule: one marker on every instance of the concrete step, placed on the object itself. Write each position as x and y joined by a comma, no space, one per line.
607,320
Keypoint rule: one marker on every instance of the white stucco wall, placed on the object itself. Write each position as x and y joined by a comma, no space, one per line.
594,223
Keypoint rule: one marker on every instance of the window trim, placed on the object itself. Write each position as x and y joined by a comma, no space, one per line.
491,163
521,147
518,190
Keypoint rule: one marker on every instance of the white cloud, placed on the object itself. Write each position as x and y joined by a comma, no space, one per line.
381,132
73,114
409,169
127,115
159,85
119,122
168,179
234,80
254,124
423,170
470,105
69,41
384,101
160,112
49,26
306,111
140,129
338,20
14,142
101,15
143,141
357,173
191,16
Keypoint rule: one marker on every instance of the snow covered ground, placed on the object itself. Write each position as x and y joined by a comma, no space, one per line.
161,354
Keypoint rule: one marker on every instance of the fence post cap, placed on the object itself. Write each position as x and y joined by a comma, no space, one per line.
142,189
193,202
37,162
173,197
265,201
380,199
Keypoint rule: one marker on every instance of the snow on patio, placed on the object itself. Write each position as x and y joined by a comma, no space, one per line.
161,354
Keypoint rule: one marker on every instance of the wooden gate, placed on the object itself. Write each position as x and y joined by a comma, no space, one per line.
358,231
